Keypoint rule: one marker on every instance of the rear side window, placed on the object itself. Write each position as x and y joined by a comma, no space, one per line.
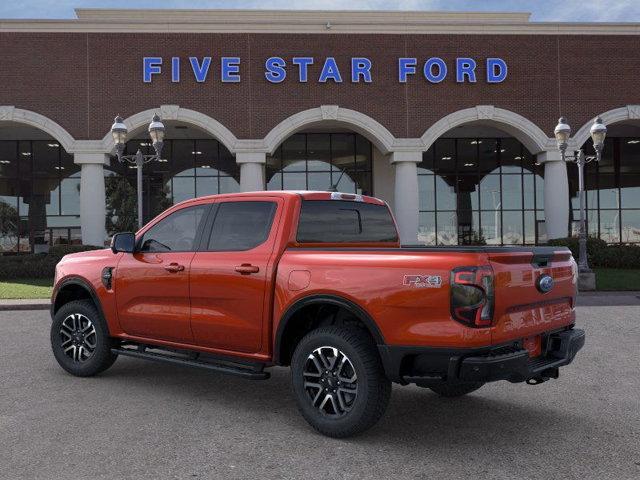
241,225
338,221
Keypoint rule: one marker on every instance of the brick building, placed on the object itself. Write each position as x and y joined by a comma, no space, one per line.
448,117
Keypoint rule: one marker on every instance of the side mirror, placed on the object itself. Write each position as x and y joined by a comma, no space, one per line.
123,242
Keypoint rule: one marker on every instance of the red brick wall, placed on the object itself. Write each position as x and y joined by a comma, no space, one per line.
82,80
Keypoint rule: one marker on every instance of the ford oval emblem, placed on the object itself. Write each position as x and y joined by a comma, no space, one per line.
544,283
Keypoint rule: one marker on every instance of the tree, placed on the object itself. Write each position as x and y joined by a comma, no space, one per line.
9,222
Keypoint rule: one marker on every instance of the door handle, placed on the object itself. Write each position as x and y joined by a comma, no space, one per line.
174,268
247,268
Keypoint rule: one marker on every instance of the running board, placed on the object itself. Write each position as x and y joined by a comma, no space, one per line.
250,371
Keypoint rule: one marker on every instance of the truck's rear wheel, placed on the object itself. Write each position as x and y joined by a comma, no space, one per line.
80,340
339,381
456,390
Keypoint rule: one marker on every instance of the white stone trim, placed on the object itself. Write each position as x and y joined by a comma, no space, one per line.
382,138
617,115
9,113
175,112
516,125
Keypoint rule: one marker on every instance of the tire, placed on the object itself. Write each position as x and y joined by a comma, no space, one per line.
456,390
80,339
358,391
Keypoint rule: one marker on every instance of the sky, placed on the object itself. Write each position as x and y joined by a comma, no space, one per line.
542,10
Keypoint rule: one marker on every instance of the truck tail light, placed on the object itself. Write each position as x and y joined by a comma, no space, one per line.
473,295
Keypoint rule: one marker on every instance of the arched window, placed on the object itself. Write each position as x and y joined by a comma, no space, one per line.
480,191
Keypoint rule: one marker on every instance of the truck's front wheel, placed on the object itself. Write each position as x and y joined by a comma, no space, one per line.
339,381
80,340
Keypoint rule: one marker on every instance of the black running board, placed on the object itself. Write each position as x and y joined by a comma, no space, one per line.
248,371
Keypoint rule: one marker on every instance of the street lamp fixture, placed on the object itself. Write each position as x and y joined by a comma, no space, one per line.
562,133
156,132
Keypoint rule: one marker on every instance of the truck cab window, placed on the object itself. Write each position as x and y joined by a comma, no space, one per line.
175,233
241,225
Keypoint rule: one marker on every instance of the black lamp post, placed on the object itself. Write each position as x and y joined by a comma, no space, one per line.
562,133
156,132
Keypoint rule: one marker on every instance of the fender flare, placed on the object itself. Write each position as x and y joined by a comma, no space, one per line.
352,307
81,282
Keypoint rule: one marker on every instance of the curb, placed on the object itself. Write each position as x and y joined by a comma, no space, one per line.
9,305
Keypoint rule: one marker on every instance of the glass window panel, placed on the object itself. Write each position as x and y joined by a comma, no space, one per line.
294,181
630,155
8,160
9,217
363,153
25,158
274,181
530,228
427,193
488,155
529,192
539,192
467,150
427,166
241,225
511,191
294,153
229,185
631,226
445,155
177,232
606,163
319,181
630,191
490,192
468,228
512,233
70,196
76,236
491,227
206,157
427,228
343,151
608,192
610,226
206,186
447,228
67,167
445,194
183,189
318,151
511,156
347,182
46,159
183,158
467,196
227,163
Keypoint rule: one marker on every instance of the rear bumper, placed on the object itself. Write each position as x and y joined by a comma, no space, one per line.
428,366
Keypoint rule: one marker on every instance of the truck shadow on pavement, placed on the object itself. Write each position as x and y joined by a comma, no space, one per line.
486,417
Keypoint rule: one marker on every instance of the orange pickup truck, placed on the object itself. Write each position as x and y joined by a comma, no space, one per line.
317,281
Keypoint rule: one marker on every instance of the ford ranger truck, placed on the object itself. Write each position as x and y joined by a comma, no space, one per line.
319,282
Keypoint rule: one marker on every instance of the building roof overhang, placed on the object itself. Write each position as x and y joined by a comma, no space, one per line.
310,21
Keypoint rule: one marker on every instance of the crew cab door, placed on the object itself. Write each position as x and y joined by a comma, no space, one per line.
231,272
152,284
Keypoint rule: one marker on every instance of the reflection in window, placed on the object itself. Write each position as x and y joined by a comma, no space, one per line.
320,161
188,169
480,191
612,192
39,196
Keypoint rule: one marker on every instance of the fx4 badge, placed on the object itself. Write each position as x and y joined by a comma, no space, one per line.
423,281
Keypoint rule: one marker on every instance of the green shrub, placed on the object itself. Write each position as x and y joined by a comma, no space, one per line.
41,265
602,255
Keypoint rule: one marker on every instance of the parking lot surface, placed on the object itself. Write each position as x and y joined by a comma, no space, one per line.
148,420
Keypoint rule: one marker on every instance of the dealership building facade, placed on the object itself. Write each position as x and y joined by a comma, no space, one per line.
448,117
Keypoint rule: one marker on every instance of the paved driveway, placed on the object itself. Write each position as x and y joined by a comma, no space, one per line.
149,420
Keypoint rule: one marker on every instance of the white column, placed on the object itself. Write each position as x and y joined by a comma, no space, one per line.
92,197
556,194
251,170
406,196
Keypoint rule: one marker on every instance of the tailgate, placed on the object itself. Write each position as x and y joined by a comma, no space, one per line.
523,309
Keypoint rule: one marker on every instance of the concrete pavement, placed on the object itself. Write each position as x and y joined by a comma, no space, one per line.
147,420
